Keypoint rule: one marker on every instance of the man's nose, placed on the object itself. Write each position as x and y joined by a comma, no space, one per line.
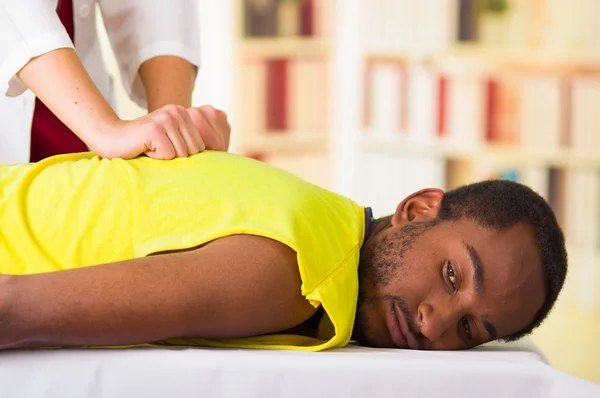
434,321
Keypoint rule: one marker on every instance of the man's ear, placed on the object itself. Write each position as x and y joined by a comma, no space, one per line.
423,205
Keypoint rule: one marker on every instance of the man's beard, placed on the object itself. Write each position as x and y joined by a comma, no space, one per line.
380,263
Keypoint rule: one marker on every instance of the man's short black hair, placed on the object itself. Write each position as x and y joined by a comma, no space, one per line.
498,204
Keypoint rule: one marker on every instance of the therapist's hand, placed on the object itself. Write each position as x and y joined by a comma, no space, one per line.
169,132
59,79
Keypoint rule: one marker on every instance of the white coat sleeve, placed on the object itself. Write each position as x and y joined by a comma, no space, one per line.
28,28
143,29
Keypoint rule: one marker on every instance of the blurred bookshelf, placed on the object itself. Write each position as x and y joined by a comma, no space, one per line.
499,154
284,47
478,55
377,99
281,58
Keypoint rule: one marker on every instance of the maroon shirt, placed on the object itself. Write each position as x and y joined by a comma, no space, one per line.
49,136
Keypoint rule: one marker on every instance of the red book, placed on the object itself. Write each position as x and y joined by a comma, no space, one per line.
442,111
491,112
277,81
307,18
567,111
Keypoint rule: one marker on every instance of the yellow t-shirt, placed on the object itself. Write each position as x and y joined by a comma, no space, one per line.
78,210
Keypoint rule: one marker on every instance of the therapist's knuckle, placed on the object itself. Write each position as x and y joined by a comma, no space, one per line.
171,108
208,109
194,113
182,114
222,118
163,119
155,130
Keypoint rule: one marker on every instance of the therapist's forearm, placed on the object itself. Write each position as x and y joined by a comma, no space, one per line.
168,80
60,81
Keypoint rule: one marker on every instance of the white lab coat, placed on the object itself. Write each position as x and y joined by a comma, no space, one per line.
137,29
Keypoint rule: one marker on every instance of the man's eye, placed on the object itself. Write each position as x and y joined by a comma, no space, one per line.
451,275
465,324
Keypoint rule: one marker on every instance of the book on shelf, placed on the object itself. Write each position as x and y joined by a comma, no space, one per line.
538,179
277,94
544,108
491,109
441,105
465,103
581,209
468,20
283,18
584,114
459,172
283,96
423,97
386,109
400,99
575,212
306,17
260,17
252,100
288,19
504,118
308,96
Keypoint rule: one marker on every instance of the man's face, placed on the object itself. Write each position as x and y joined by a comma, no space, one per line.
446,286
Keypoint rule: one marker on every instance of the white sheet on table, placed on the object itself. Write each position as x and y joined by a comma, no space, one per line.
495,370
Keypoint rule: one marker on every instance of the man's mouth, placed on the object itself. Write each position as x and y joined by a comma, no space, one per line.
395,329
398,329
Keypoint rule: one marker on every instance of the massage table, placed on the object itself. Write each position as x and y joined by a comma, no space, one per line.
493,370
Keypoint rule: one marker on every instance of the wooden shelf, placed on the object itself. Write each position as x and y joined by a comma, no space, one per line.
496,154
494,57
291,47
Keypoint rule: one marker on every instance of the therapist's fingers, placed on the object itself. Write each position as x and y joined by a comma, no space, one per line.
173,131
205,119
220,124
170,125
206,131
225,128
189,132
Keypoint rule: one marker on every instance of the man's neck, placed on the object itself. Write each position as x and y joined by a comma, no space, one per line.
377,226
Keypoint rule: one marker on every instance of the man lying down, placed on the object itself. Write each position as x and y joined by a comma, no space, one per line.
222,250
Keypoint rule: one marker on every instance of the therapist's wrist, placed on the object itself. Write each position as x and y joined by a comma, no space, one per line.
99,132
115,138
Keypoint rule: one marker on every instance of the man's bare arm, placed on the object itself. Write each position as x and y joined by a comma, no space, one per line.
233,287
